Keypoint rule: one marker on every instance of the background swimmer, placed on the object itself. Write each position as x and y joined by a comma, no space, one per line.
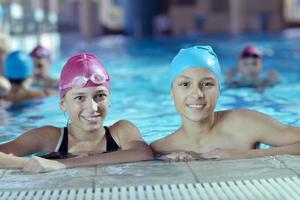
85,97
5,48
18,68
41,79
5,86
249,72
206,134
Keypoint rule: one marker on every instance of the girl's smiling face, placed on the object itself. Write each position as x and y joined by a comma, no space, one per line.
86,107
195,92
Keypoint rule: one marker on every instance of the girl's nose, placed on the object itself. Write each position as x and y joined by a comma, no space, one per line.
92,104
198,91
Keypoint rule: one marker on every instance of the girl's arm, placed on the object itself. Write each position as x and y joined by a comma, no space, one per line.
33,141
285,139
133,148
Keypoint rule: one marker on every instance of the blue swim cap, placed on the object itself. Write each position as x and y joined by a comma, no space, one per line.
18,65
196,56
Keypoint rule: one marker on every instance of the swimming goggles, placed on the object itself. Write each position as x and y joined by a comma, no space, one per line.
81,81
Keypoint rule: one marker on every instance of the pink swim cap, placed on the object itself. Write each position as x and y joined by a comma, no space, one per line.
83,70
250,51
40,52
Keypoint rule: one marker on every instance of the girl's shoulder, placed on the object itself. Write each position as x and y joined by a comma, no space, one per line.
49,128
241,119
124,130
48,131
123,125
236,114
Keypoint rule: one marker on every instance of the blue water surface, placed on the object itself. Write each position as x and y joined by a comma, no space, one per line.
140,90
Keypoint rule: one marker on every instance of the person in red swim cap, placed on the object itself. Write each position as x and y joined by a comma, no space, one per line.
249,72
85,97
41,79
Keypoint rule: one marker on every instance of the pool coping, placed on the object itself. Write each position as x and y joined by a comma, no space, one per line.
152,173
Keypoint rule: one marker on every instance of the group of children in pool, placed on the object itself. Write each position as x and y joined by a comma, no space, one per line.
24,76
195,76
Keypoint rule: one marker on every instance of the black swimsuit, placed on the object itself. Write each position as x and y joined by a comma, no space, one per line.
62,151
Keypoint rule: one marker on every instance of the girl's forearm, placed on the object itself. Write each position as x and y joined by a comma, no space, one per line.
293,149
12,162
108,158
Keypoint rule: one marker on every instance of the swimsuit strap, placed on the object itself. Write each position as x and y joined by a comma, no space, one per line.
111,144
63,149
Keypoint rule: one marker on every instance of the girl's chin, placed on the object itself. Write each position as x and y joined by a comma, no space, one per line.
92,128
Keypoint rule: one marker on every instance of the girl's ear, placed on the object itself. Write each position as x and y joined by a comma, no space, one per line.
171,93
62,104
219,92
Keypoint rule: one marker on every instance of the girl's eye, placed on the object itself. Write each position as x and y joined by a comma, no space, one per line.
184,84
79,98
207,84
100,97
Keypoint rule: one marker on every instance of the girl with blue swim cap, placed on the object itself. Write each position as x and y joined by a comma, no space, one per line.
85,97
18,68
206,134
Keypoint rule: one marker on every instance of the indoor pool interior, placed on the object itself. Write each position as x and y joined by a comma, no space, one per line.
140,89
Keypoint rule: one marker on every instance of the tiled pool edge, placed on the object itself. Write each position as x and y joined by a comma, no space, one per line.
153,172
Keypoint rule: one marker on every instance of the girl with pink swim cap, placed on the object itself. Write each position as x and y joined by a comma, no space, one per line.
249,72
85,141
41,78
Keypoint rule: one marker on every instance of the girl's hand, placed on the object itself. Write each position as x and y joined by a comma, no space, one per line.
181,156
38,165
9,161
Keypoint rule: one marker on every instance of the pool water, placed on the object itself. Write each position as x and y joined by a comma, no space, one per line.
140,90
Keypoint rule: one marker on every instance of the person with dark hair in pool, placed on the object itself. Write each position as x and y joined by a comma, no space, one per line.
41,57
249,72
85,96
205,134
18,69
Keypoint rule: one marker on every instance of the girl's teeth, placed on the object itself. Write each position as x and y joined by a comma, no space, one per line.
92,118
195,105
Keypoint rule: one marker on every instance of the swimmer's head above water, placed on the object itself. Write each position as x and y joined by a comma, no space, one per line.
196,56
251,61
18,66
83,70
40,52
251,51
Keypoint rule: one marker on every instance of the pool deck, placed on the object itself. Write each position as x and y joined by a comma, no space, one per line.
153,172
